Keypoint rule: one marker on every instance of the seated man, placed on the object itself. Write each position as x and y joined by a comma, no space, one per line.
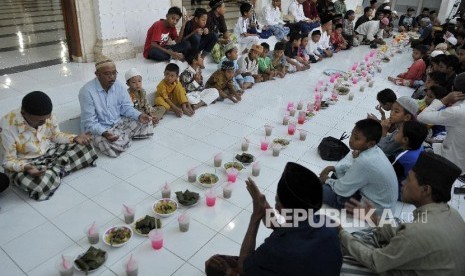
365,172
108,113
433,243
295,247
372,31
37,154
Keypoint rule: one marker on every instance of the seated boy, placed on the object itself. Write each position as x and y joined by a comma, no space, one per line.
432,78
416,71
240,82
386,98
278,60
265,68
248,64
411,136
338,41
438,132
403,110
37,155
139,97
245,38
222,80
291,52
170,93
192,80
273,21
364,172
313,46
159,34
198,34
304,56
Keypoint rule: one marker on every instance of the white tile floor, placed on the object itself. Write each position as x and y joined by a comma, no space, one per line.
34,234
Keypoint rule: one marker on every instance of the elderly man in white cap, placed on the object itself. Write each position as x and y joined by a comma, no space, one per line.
108,113
372,31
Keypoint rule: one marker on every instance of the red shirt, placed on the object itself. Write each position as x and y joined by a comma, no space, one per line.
160,34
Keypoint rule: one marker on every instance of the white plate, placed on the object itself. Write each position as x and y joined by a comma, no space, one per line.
117,227
242,166
207,185
138,232
283,146
92,270
164,200
245,164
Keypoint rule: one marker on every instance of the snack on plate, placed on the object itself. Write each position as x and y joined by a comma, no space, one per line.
343,90
187,198
165,207
283,142
208,179
147,224
117,235
245,158
238,166
91,260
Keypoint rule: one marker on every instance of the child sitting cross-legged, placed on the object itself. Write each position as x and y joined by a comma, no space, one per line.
248,64
438,132
291,52
240,82
264,63
170,93
222,80
245,39
139,96
313,46
278,60
336,38
304,56
364,172
411,136
192,80
386,98
416,71
403,110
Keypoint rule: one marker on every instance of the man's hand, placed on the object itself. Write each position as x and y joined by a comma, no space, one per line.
258,199
145,118
110,136
356,208
206,31
199,31
177,56
452,98
83,139
34,171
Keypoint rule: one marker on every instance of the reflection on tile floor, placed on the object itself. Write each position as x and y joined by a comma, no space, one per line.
35,234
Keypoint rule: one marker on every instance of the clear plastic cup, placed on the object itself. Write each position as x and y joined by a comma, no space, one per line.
131,266
129,213
227,190
217,160
183,221
256,169
351,96
276,149
166,191
303,134
264,144
65,265
300,105
156,238
292,112
245,145
232,174
92,232
268,130
210,198
285,120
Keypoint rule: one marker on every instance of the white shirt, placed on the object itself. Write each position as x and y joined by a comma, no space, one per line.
312,47
272,16
248,66
241,26
370,29
325,40
297,11
453,118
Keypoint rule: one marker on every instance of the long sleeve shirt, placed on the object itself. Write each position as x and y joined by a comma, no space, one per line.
219,81
325,40
453,118
370,29
389,144
371,174
416,71
101,110
272,16
297,11
241,27
312,48
20,142
431,245
246,65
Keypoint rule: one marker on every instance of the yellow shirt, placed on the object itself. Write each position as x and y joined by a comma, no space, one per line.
21,142
165,89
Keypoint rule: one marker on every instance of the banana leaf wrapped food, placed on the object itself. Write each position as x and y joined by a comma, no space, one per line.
91,260
187,198
147,224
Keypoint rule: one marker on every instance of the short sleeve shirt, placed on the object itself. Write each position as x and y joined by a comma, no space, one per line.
160,34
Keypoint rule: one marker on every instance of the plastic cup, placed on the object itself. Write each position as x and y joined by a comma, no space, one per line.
300,105
65,266
156,238
285,120
191,176
354,80
362,88
268,130
371,83
310,107
232,174
183,221
276,150
301,117
131,266
292,112
217,160
334,96
264,144
210,198
92,233
245,145
129,213
227,190
351,96
302,134
291,128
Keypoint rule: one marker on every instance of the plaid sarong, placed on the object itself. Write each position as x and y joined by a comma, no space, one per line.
127,130
60,160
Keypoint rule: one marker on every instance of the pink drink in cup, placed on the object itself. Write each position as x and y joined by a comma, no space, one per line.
210,198
301,117
264,144
291,128
310,107
290,105
156,238
232,174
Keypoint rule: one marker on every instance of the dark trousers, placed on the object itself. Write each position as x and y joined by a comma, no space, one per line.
203,43
307,27
158,55
349,39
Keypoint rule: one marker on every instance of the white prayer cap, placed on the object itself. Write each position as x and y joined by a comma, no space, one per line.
436,53
131,73
386,1
453,21
452,40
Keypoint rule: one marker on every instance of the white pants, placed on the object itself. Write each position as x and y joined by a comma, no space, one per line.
207,96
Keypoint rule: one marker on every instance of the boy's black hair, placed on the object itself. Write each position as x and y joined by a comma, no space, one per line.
265,46
423,49
172,67
245,7
415,132
438,39
439,92
294,36
229,51
279,46
439,78
199,12
366,9
174,10
453,62
191,56
371,129
425,9
302,36
338,26
316,32
349,13
386,96
439,58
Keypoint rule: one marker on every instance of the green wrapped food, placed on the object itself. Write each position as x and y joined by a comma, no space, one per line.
91,260
187,198
147,224
245,158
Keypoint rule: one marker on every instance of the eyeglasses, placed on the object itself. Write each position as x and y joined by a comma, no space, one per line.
109,74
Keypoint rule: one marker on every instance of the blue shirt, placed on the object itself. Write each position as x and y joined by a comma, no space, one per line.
371,174
408,160
298,251
101,110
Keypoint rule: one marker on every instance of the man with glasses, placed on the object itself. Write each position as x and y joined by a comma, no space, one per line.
37,155
108,113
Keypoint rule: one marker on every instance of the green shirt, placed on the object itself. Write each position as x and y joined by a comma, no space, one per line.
264,63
